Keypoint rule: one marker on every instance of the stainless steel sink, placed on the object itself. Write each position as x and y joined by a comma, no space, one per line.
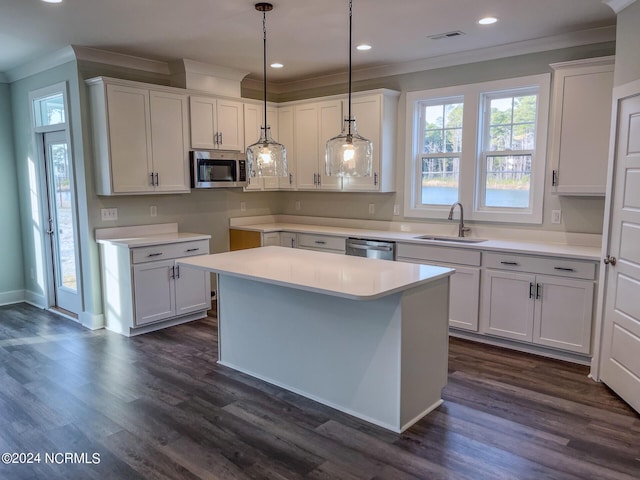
451,239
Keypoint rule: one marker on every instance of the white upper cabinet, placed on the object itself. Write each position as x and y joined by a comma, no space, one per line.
314,124
375,117
217,123
140,138
581,120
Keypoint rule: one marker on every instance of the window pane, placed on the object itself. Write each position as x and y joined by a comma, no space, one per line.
433,141
440,180
453,140
508,181
525,109
453,115
501,109
433,117
500,138
524,136
49,110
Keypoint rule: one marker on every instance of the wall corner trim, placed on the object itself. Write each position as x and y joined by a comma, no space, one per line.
59,57
618,5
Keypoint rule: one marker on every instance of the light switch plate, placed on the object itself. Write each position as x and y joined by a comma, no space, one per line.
153,211
243,207
109,214
396,209
372,208
556,216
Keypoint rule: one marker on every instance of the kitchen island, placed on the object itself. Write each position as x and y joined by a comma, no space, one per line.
367,337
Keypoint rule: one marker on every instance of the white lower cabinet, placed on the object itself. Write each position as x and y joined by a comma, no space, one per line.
321,243
464,285
288,239
144,289
547,310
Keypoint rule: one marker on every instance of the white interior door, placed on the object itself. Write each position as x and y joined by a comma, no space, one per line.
62,221
620,361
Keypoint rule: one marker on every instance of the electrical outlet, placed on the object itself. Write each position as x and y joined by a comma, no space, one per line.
297,204
396,209
556,216
243,206
153,211
109,214
372,208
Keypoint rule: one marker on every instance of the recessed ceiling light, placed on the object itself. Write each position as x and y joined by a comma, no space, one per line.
363,46
276,65
52,1
487,20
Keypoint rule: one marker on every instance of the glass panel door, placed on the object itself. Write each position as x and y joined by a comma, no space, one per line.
62,231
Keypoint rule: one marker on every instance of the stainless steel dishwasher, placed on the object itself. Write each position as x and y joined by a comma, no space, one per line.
361,247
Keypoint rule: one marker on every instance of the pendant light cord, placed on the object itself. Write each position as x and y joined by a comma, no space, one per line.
264,66
350,29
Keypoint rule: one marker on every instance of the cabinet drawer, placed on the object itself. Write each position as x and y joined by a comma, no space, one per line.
433,253
169,250
324,242
544,265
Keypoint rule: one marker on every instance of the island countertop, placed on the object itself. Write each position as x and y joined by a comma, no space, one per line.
355,278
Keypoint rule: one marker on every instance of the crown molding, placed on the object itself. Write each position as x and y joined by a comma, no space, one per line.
567,40
89,54
41,64
618,5
191,66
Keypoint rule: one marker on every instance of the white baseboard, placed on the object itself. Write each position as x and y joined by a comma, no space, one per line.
15,296
35,299
91,321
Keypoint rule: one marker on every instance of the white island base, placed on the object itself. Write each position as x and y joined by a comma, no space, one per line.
383,359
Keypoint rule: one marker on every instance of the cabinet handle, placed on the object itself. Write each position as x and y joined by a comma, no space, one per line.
320,242
192,249
292,243
173,272
564,269
315,179
530,290
155,254
177,267
554,179
152,180
510,263
375,179
291,179
221,138
157,179
537,291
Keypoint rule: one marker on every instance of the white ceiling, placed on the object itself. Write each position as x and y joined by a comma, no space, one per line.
309,37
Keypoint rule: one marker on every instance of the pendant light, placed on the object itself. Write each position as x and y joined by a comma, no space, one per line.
349,154
266,157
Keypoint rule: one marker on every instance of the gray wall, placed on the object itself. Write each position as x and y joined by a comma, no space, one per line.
627,43
12,277
580,214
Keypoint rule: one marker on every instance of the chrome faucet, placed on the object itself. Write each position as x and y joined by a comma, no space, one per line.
461,227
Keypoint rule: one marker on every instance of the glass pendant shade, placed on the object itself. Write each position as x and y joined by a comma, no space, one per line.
266,157
349,154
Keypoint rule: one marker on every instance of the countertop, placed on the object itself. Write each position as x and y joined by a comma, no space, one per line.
150,240
355,278
578,252
146,235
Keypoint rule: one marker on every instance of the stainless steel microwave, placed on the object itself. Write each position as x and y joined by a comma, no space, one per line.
218,169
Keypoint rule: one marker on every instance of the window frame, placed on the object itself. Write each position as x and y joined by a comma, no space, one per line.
471,158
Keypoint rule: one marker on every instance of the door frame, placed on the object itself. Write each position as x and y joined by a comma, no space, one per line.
620,93
38,133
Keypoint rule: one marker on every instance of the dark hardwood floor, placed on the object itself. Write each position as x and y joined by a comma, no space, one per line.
158,406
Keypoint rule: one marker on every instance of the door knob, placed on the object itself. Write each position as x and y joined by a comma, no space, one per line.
610,260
